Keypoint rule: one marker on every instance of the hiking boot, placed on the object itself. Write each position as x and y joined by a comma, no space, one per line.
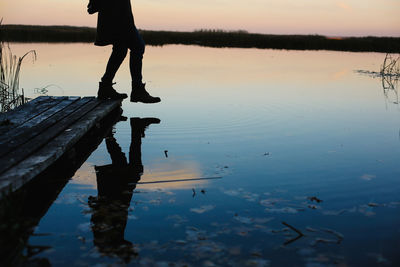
106,91
139,125
139,94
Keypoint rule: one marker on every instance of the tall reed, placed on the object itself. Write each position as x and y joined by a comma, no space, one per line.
11,96
391,66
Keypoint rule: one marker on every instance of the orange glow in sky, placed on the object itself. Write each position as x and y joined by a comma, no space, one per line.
327,17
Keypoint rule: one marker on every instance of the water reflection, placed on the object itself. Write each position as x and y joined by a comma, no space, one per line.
115,185
389,85
21,211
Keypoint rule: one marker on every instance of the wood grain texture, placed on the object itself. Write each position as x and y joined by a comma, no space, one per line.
32,157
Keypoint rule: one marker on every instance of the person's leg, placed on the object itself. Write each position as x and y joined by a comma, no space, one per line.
106,91
139,93
137,47
117,57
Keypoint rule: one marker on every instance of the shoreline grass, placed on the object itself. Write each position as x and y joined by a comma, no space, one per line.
209,38
11,96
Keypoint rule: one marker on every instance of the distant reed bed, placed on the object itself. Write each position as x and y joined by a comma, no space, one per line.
210,38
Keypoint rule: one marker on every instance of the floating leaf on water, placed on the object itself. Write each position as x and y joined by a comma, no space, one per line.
232,193
334,212
282,210
339,236
250,197
256,253
155,201
314,198
324,241
368,177
366,210
262,220
202,209
181,242
84,227
132,217
244,220
309,229
243,233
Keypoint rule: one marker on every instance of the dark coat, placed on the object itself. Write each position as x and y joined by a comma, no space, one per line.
115,22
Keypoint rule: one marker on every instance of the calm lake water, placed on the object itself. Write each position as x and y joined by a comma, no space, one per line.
294,141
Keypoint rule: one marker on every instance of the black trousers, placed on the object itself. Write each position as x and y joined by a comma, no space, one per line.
136,46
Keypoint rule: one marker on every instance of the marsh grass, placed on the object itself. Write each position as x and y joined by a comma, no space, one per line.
389,74
391,66
11,96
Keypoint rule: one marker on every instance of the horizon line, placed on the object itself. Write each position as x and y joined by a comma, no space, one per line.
221,30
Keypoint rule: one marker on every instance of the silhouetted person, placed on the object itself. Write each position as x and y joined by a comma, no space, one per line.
116,27
115,185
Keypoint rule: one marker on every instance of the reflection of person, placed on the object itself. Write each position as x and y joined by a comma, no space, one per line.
115,185
116,27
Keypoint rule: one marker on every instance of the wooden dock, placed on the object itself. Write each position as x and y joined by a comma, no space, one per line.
35,135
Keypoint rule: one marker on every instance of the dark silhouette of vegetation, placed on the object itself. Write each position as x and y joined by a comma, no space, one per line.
11,96
211,38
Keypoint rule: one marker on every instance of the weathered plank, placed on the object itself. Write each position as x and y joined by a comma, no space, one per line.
10,136
28,111
13,139
54,126
27,169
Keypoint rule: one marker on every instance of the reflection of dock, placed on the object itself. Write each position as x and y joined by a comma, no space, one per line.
38,133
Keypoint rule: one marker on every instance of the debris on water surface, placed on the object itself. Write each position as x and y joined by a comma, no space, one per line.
244,220
314,198
299,234
368,177
338,235
202,209
323,240
81,238
282,210
293,228
155,201
309,229
232,193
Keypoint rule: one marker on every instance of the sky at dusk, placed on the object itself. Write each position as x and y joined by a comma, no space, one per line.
326,17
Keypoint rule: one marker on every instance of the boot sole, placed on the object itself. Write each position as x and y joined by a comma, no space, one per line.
136,101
